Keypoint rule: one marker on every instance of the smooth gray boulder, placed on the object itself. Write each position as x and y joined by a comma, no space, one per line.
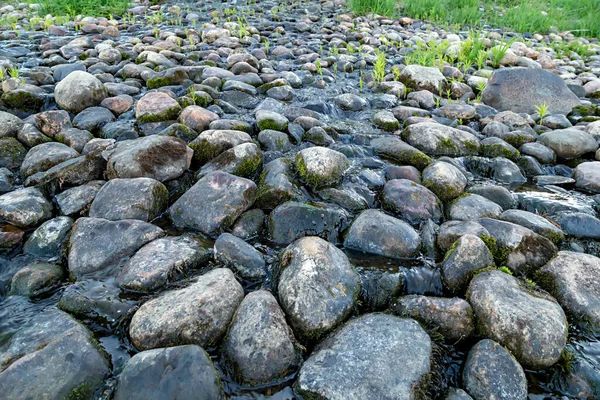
418,77
522,89
528,322
242,258
78,91
10,124
35,279
536,223
213,203
569,143
472,206
198,314
45,156
317,286
587,176
50,240
260,347
181,372
321,166
376,356
492,373
467,255
411,201
445,180
76,201
25,207
97,244
211,143
441,140
393,148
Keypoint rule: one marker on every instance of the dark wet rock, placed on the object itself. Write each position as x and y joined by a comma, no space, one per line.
579,224
472,206
159,157
293,220
317,286
457,394
275,140
75,201
498,194
260,347
25,208
528,322
161,261
411,201
503,170
182,372
198,314
587,176
379,289
78,91
521,89
491,372
276,184
542,153
97,243
197,118
35,279
209,144
441,140
10,125
12,153
50,240
213,203
452,317
75,138
423,78
536,223
518,248
45,156
445,180
573,279
468,255
6,180
136,198
243,160
10,236
92,119
393,357
321,166
375,232
249,225
242,258
350,102
451,231
156,107
395,149
59,352
569,143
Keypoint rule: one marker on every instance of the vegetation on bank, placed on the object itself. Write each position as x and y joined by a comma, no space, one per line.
577,16
102,8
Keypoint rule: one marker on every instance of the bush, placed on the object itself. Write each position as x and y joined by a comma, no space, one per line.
96,8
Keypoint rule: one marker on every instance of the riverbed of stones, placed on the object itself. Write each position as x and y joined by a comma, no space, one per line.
209,201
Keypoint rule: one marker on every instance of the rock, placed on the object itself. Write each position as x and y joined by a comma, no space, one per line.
468,255
423,78
473,206
277,184
451,231
386,120
411,201
503,170
35,279
52,122
12,153
181,372
320,166
498,194
49,241
209,144
457,394
159,157
271,120
243,160
292,220
521,89
213,203
350,102
45,156
259,347
136,198
25,208
97,243
377,233
491,372
441,140
198,314
156,107
453,318
243,259
197,118
92,119
318,287
75,201
395,149
59,352
76,138
543,154
162,261
569,143
495,147
10,125
536,223
587,176
572,278
373,356
10,236
579,224
249,225
518,248
529,323
78,91
445,180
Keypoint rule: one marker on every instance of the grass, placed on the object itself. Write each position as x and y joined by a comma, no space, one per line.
533,16
99,8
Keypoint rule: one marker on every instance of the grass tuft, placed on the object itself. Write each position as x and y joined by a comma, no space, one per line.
381,7
96,8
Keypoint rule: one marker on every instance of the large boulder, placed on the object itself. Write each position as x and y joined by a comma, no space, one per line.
213,203
375,232
376,356
569,143
318,287
181,372
51,357
198,314
259,347
522,89
78,91
528,322
587,176
574,279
